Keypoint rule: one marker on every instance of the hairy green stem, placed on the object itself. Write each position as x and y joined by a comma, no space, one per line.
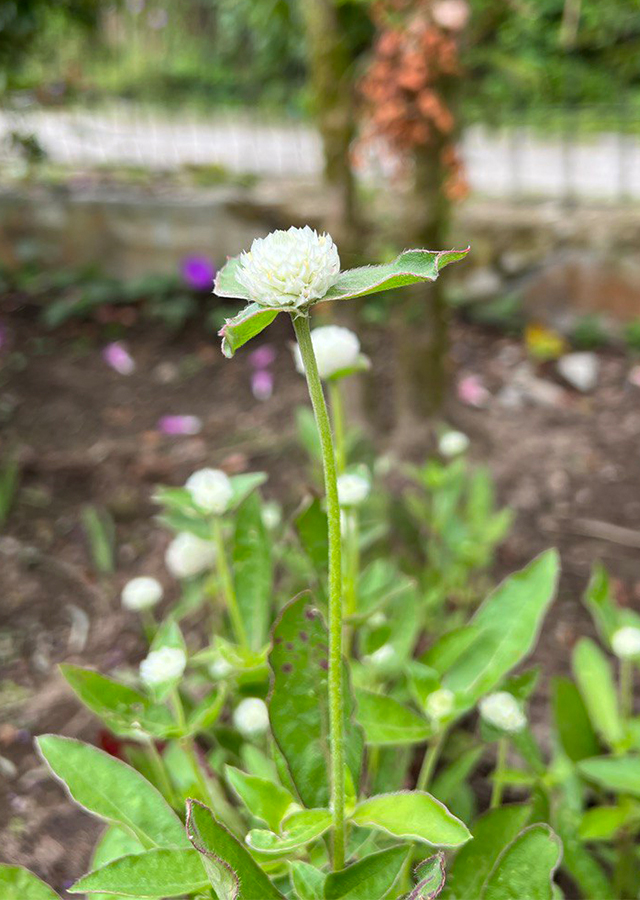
160,770
336,699
498,773
430,760
337,418
227,585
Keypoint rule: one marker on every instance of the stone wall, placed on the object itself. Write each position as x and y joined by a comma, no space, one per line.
563,262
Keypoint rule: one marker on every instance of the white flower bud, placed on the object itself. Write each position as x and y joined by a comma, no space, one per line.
251,717
453,443
188,555
439,704
271,514
382,656
141,593
352,489
211,490
289,268
336,348
378,619
625,642
502,710
220,668
162,665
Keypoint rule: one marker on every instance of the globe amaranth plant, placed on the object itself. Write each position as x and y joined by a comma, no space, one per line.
323,768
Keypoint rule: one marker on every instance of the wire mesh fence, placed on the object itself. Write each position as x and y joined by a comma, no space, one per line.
573,155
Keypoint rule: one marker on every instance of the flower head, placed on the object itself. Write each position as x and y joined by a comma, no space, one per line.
271,514
211,490
453,443
625,642
141,593
180,425
353,489
118,357
220,668
503,711
198,272
162,665
188,555
439,704
251,717
289,268
381,657
336,348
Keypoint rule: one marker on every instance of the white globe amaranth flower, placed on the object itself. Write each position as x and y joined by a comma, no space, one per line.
439,704
503,711
251,717
141,593
162,665
188,555
271,514
625,642
335,348
289,268
353,489
453,443
211,490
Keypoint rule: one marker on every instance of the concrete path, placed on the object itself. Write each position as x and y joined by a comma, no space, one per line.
504,164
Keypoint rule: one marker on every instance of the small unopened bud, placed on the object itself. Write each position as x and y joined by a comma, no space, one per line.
439,704
162,665
502,710
352,489
625,642
251,717
210,490
141,593
188,555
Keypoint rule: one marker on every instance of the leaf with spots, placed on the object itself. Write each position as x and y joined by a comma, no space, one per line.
430,875
298,705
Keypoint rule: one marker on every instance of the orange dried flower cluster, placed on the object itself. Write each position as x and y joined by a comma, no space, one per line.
414,54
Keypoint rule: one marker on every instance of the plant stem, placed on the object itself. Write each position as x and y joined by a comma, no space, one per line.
160,770
501,758
430,760
352,552
227,585
337,417
626,687
336,700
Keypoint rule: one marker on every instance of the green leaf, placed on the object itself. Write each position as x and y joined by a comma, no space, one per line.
409,267
473,863
113,843
448,781
599,601
232,871
17,883
602,823
526,867
573,725
595,682
298,704
245,325
155,873
582,866
450,647
372,878
253,570
264,799
311,525
430,875
308,882
619,774
298,829
413,815
109,788
510,620
243,485
126,711
385,721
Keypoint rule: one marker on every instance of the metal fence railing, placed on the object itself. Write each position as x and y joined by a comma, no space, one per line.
579,155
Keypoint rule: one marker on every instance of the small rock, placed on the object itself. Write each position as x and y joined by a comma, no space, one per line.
580,370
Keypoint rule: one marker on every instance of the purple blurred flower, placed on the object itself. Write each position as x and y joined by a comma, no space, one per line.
263,357
116,356
180,425
262,384
472,391
198,272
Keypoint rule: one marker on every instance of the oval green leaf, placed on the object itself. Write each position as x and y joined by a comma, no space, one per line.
17,883
156,873
526,868
413,815
372,878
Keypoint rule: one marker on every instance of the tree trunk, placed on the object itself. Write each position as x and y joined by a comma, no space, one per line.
332,89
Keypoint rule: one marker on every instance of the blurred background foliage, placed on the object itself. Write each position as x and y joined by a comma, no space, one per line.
251,52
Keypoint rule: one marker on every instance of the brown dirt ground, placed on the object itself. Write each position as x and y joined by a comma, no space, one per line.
87,435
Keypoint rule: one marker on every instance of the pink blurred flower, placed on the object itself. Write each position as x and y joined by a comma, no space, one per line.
451,14
263,357
117,356
180,425
634,376
472,391
199,272
262,384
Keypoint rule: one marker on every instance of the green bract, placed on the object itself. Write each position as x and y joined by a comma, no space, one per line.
408,268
